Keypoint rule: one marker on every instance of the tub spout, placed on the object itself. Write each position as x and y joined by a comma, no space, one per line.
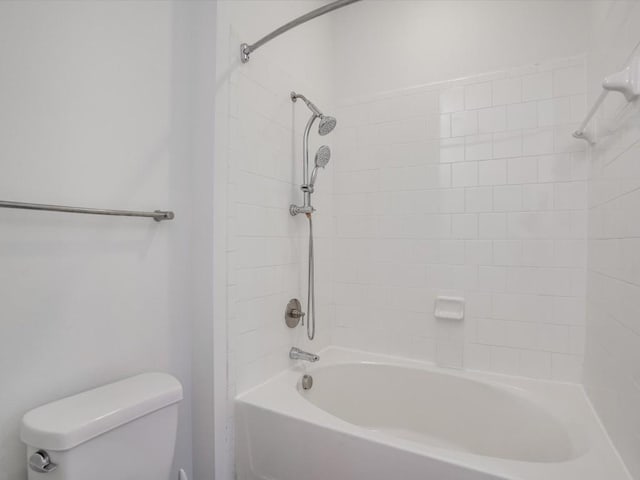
297,354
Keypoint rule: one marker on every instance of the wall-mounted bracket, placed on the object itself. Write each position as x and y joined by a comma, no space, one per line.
245,51
626,81
583,135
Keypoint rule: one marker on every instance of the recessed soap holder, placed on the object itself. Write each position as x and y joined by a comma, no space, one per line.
449,308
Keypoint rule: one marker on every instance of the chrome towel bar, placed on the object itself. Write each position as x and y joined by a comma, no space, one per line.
157,215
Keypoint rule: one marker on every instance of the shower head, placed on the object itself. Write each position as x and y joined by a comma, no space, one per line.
327,124
323,155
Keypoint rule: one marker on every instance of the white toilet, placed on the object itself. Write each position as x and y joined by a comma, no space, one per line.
121,431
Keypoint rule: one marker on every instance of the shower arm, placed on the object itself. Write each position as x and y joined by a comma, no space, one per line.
310,105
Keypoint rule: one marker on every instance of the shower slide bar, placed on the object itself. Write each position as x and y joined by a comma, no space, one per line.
157,215
246,49
626,82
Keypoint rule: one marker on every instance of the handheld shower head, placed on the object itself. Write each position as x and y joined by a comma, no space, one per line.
323,155
327,124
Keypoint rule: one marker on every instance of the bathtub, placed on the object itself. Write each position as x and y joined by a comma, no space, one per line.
370,417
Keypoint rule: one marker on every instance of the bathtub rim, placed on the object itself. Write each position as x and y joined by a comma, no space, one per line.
267,396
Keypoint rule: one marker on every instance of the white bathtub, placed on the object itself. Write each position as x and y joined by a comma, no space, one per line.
371,417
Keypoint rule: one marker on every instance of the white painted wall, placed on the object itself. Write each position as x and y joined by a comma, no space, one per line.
385,45
612,357
96,111
194,89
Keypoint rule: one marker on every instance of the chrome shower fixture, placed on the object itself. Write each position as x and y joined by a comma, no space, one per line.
326,126
323,155
295,96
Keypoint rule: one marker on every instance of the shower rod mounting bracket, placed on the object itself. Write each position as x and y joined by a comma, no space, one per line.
246,50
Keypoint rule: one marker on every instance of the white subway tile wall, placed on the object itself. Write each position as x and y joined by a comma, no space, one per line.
612,356
267,247
471,188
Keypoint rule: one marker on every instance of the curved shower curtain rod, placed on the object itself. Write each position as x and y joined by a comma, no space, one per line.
246,49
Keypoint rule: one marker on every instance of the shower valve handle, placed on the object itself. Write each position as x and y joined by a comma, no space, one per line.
293,314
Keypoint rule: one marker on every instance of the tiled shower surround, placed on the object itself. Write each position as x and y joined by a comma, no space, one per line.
612,360
267,247
471,188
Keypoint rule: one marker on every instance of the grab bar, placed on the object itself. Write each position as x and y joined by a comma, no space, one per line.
627,82
157,215
580,132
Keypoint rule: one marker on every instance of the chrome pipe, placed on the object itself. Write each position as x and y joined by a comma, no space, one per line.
295,96
246,49
157,215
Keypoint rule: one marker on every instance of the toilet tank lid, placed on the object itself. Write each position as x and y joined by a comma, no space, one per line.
66,423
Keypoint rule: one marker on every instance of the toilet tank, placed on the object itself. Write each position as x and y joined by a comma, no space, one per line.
122,431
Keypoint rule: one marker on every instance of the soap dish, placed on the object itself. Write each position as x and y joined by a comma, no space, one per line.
449,308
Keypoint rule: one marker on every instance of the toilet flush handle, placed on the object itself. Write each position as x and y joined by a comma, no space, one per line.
41,463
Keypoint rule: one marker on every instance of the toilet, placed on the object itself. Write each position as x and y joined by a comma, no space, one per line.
122,431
